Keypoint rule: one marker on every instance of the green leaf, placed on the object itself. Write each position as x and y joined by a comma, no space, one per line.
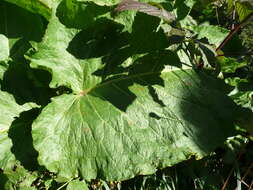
129,113
99,135
77,185
230,65
242,94
43,7
4,48
55,54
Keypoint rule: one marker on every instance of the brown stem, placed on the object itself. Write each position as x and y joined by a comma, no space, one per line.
234,31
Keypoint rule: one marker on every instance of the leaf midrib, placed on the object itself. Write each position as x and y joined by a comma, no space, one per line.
89,90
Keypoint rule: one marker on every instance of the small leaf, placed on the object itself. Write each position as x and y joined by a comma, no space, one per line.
77,185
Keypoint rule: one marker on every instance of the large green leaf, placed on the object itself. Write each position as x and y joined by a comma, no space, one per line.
129,112
121,128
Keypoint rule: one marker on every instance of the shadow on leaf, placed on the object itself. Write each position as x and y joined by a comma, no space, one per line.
208,112
132,57
26,84
20,134
22,24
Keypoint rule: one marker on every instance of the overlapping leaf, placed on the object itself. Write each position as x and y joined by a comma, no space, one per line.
9,111
15,125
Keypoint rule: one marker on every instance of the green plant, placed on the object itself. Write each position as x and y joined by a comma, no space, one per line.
94,92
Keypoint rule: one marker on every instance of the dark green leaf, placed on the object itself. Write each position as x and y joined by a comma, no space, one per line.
42,7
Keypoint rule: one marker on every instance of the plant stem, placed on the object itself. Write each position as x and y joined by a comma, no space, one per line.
234,31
